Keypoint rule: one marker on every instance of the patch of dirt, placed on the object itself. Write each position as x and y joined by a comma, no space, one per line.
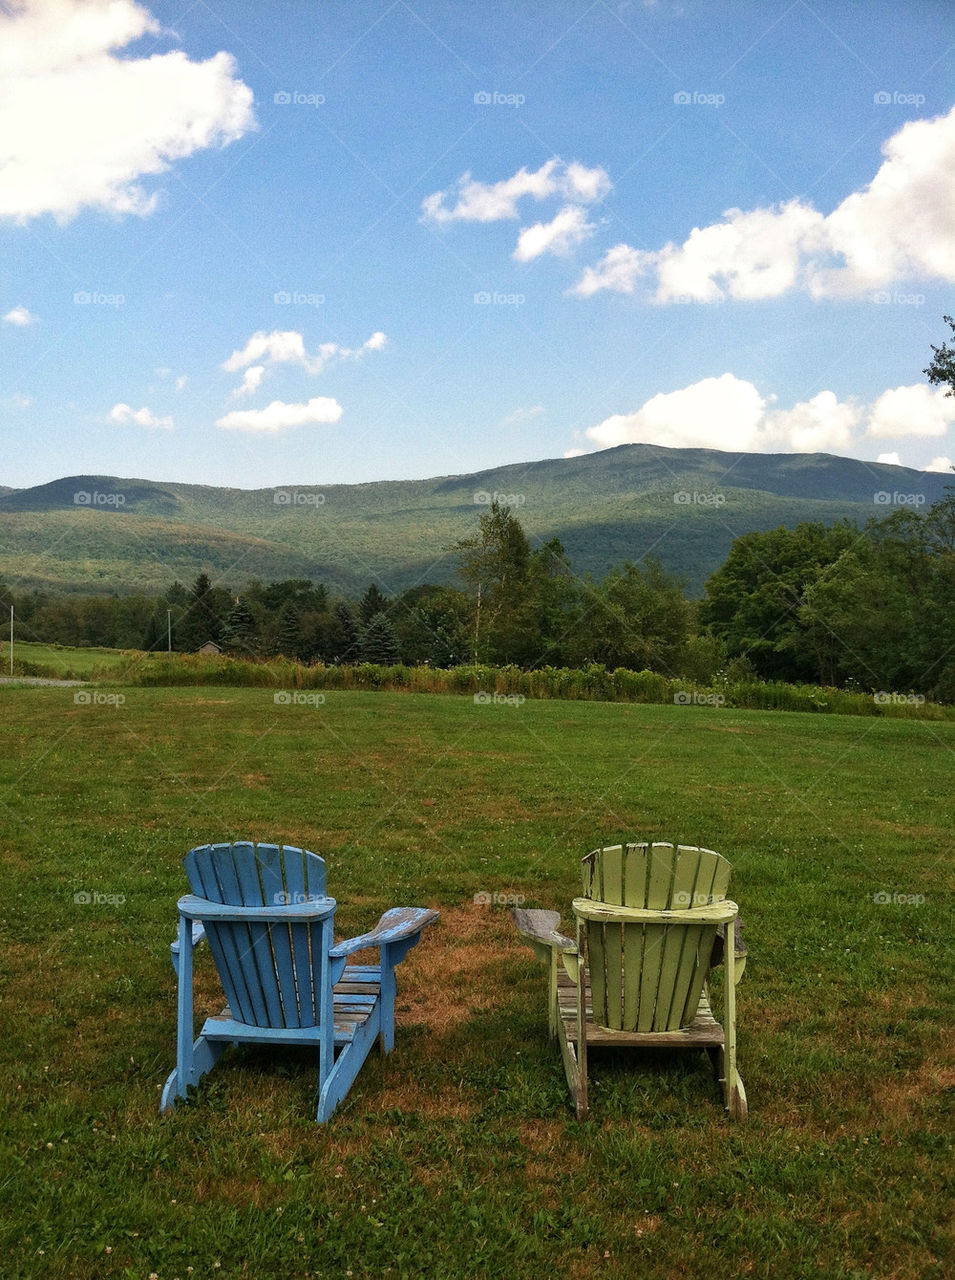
453,974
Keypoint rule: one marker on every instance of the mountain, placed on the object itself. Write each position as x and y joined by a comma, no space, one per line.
685,506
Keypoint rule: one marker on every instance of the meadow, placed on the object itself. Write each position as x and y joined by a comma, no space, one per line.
459,1156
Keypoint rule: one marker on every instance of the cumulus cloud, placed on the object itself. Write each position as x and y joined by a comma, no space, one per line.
278,416
122,415
730,413
892,458
896,228
560,236
576,185
715,413
823,424
19,316
250,380
81,126
618,270
912,411
288,347
574,453
940,464
471,201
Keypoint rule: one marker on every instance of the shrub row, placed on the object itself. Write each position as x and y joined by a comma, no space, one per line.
592,683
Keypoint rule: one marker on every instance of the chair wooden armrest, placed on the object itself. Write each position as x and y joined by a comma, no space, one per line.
541,927
395,925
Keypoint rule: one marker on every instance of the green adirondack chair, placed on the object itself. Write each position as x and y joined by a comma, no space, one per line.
653,921
263,911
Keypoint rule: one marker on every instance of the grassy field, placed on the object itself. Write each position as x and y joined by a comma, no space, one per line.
459,1156
65,660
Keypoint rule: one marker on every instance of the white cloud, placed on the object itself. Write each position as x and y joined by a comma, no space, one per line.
730,413
277,347
21,401
892,458
288,347
19,316
82,126
181,381
489,202
823,424
715,413
471,201
940,464
122,415
911,411
523,415
250,381
617,270
278,416
574,453
560,236
896,228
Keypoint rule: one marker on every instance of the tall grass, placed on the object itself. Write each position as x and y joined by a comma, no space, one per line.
593,683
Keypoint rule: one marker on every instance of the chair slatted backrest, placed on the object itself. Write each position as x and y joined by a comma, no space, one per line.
648,977
272,974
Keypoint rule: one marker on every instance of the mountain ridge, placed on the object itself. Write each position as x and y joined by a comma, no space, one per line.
125,534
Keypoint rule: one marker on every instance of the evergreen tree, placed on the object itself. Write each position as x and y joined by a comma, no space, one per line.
288,638
372,602
202,619
379,642
349,647
239,629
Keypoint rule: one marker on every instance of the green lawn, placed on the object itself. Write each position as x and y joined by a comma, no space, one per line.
64,660
460,1156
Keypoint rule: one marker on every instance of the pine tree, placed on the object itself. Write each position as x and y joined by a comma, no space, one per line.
288,637
238,631
379,642
349,649
372,602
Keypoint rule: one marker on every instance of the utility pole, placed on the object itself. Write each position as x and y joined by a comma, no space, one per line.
11,639
169,631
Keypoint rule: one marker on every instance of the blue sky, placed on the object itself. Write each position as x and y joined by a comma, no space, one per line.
256,244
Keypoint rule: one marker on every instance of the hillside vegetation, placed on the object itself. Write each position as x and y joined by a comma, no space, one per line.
85,533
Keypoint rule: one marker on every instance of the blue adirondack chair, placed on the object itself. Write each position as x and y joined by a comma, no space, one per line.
263,911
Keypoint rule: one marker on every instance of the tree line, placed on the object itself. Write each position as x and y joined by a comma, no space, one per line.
839,605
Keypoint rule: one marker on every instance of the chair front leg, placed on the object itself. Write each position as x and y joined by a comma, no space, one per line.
386,1031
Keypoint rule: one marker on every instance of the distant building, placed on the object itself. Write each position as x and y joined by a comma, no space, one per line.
210,649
